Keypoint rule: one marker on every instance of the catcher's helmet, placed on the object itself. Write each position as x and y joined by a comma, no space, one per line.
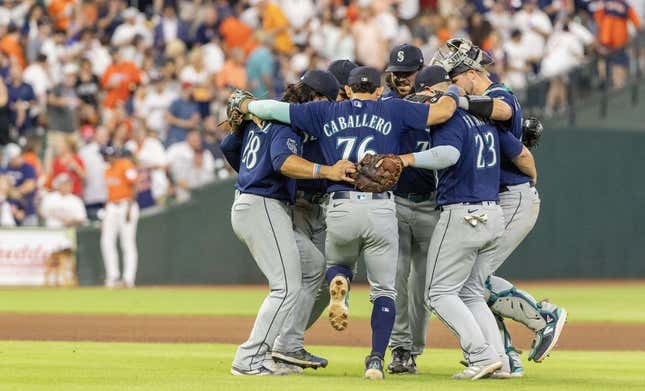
459,55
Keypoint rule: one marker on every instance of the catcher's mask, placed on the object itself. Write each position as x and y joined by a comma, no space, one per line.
460,55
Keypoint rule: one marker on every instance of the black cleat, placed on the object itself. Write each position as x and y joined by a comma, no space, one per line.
301,358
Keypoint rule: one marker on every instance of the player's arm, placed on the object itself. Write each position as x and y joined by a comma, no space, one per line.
271,110
435,158
298,168
231,147
486,107
525,163
513,149
445,107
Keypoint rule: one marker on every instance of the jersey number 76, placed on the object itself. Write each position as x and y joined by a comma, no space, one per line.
348,144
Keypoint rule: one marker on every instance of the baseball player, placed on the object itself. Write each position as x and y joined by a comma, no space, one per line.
120,218
416,216
265,154
466,152
518,198
309,225
360,223
340,69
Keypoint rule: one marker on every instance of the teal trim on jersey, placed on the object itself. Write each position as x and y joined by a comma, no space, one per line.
511,293
505,88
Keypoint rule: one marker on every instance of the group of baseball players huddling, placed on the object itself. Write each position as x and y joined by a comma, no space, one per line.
464,201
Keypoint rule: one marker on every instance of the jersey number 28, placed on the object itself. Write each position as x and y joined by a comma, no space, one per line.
486,156
250,153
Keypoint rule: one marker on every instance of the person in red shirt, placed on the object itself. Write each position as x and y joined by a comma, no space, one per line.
69,162
613,17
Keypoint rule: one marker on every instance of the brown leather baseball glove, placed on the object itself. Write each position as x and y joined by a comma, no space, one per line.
377,173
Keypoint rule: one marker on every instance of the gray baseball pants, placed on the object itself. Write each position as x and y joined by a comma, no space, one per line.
265,226
308,221
417,221
361,225
460,258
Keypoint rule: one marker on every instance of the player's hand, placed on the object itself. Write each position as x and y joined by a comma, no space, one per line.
340,171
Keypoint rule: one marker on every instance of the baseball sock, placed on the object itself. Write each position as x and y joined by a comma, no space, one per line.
383,313
335,270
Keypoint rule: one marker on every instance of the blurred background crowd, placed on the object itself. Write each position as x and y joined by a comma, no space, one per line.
152,77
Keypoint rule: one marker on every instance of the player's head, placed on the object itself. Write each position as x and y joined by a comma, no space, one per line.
364,83
313,85
341,69
465,63
405,61
432,81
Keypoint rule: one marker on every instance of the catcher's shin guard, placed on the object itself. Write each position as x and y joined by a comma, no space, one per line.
509,302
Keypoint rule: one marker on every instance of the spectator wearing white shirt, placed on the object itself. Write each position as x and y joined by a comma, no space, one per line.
37,75
517,61
95,189
190,165
125,32
535,26
150,156
155,104
564,51
7,218
60,208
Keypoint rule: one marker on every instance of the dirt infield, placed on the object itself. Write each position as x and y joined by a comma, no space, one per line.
576,336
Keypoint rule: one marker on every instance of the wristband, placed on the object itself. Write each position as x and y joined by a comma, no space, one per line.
316,171
464,103
453,92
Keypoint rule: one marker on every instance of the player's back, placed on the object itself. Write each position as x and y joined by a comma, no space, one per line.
510,174
259,171
350,129
475,176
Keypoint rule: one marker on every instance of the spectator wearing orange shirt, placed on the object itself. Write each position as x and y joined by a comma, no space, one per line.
612,18
276,24
237,34
120,218
61,12
119,80
10,45
233,73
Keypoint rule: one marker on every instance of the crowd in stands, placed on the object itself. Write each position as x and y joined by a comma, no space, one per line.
152,77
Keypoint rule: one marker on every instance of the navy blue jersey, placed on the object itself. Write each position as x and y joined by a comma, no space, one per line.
510,175
264,150
413,180
312,152
350,129
475,176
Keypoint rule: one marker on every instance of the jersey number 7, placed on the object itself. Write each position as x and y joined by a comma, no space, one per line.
348,144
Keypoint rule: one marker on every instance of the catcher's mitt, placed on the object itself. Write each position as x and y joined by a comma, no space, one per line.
234,115
377,173
531,131
422,98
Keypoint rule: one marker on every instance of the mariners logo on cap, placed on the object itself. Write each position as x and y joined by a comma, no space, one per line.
400,56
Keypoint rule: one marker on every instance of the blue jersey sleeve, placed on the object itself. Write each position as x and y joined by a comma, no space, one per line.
509,146
284,143
310,117
449,133
501,92
414,116
231,147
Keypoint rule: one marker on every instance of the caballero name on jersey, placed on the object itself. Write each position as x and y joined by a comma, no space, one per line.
357,121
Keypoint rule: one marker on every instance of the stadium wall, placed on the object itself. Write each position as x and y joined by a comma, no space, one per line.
592,222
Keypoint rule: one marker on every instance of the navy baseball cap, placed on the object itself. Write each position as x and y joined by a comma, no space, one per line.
405,58
364,75
340,69
430,76
322,82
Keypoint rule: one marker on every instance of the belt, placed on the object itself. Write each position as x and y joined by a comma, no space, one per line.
461,204
505,188
314,198
357,195
416,197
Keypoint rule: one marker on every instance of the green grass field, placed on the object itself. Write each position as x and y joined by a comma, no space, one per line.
76,366
82,366
613,303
